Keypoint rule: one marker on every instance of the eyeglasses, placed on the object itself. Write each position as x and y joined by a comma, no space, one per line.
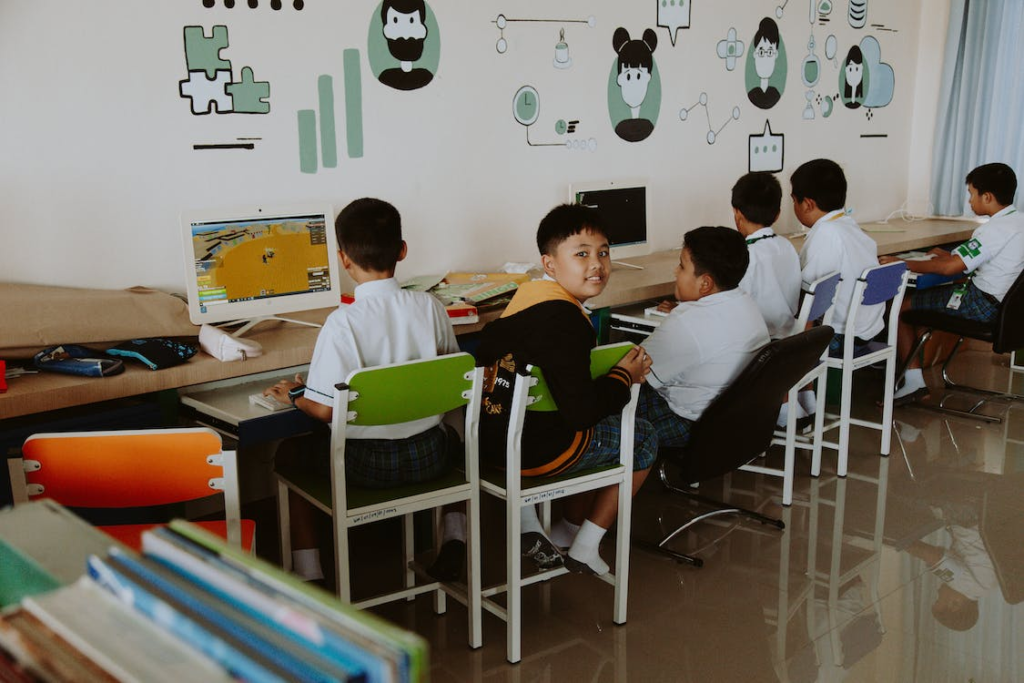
766,51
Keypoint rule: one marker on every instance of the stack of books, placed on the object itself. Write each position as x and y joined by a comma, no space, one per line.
192,608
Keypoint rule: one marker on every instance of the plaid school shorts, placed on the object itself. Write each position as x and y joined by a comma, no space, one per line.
975,304
604,447
672,430
379,463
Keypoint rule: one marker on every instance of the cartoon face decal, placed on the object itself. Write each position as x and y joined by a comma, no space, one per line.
765,76
404,45
634,82
634,89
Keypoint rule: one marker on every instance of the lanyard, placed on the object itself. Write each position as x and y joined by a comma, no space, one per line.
762,237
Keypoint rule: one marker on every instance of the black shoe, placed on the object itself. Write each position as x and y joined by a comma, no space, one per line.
450,562
538,548
804,424
577,567
912,397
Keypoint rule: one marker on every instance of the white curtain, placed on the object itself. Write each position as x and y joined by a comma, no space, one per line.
981,106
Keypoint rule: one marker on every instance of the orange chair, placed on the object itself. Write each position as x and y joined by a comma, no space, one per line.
128,469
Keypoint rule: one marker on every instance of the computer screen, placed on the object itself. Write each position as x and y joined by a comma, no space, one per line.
253,263
623,208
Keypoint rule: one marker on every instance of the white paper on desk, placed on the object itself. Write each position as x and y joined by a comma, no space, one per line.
916,256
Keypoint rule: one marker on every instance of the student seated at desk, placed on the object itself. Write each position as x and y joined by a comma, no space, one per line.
707,340
835,242
993,259
546,325
386,324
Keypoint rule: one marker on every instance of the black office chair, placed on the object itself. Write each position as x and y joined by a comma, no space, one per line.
1005,333
738,426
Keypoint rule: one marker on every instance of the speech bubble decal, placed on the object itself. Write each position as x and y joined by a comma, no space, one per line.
673,15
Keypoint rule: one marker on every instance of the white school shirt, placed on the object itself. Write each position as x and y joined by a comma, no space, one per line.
386,324
700,348
773,280
836,242
995,252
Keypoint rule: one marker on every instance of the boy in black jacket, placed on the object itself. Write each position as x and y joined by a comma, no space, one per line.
546,325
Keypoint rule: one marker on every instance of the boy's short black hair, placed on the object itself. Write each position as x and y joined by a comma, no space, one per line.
758,196
719,252
564,221
370,233
821,180
998,179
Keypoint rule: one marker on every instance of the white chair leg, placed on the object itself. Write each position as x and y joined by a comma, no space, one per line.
844,421
284,526
341,564
819,424
513,646
789,461
622,528
473,579
440,597
890,388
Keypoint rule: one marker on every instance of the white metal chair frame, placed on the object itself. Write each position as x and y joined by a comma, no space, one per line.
817,304
345,411
848,363
539,490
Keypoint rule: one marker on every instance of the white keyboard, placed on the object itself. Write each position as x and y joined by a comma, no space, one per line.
268,402
653,310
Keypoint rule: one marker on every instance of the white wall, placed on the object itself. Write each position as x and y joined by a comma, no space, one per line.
96,144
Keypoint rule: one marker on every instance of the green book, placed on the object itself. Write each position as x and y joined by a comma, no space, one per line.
21,576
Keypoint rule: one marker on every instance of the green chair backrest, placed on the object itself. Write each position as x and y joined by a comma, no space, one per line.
410,391
602,359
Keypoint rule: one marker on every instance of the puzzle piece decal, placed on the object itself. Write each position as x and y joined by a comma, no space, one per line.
248,96
202,53
205,92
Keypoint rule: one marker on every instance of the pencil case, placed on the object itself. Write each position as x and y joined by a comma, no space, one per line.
72,359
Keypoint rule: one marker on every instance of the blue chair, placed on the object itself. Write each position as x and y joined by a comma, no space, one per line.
876,285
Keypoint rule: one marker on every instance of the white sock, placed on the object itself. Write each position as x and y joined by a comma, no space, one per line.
808,401
564,533
780,421
528,520
306,564
912,381
586,547
454,527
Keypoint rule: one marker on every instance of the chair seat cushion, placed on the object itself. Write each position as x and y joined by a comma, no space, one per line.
950,323
131,534
319,487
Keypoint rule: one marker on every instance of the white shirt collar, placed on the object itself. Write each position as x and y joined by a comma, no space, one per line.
376,288
1004,211
763,232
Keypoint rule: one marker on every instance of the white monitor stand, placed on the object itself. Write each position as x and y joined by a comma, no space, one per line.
249,323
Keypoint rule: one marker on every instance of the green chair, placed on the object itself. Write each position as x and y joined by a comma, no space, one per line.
386,395
531,393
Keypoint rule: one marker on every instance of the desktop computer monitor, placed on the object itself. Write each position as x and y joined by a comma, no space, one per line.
250,264
623,208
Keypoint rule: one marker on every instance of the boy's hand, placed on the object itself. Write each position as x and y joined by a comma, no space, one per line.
667,306
281,389
888,259
637,363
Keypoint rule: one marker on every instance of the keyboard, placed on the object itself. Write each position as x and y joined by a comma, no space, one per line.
268,402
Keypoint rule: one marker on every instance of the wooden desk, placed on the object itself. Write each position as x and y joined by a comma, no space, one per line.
657,279
286,346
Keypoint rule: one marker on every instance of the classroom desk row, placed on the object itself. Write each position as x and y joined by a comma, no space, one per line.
287,346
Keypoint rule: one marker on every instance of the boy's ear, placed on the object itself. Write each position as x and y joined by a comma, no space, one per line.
546,263
346,262
403,252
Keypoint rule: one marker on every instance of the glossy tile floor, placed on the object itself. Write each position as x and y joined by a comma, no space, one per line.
907,570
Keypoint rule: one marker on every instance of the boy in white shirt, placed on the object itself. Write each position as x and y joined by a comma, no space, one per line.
385,324
835,242
993,258
707,340
773,276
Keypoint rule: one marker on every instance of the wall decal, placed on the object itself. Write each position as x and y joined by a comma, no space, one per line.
502,23
865,80
781,9
210,85
562,59
404,44
766,66
634,86
766,150
673,15
858,13
730,49
298,5
307,119
684,114
526,110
